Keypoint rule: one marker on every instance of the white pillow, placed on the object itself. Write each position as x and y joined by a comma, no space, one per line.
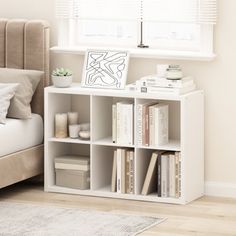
7,91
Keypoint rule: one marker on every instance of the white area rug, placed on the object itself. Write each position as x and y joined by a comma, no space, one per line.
18,219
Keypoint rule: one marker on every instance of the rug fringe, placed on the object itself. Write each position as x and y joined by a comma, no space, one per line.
150,226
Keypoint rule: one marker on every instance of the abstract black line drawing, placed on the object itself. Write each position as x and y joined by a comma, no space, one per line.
105,69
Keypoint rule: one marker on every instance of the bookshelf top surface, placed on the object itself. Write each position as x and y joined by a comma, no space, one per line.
76,89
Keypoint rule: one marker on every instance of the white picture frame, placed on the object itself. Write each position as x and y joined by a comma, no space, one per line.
105,69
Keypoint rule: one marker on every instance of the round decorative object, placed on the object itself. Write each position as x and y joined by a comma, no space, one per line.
84,134
62,81
85,126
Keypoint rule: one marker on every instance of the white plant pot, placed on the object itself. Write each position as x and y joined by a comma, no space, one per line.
62,81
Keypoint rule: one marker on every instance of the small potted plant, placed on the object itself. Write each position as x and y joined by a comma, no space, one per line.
61,77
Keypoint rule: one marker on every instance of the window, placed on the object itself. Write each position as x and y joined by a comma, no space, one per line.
183,25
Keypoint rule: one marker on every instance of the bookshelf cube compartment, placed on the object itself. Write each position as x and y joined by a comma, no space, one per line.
174,124
158,171
102,167
64,103
56,149
142,160
102,161
102,117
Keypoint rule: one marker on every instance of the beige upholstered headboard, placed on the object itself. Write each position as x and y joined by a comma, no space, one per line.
25,45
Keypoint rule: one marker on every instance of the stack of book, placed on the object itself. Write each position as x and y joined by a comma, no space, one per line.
122,123
123,171
152,124
155,84
163,175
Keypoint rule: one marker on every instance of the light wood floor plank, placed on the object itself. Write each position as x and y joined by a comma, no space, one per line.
208,216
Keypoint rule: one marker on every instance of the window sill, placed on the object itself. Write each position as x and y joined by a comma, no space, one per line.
142,53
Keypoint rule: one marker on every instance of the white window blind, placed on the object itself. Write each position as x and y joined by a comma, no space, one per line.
180,11
171,24
185,11
98,9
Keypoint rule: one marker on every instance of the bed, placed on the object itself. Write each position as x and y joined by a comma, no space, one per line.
24,45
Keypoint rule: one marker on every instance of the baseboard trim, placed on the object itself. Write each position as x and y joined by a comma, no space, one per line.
219,189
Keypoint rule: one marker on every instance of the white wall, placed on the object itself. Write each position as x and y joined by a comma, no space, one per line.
216,78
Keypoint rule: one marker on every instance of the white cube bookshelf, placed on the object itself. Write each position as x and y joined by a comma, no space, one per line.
186,134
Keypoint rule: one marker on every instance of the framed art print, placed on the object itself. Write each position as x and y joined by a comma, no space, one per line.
105,69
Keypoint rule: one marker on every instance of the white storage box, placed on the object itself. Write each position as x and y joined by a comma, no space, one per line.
73,172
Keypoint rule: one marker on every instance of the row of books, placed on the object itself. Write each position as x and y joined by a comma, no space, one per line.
156,84
123,171
163,175
122,123
152,124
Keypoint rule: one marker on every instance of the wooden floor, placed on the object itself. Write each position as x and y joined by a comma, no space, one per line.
206,216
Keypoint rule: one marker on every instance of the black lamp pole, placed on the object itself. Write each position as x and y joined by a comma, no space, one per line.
141,44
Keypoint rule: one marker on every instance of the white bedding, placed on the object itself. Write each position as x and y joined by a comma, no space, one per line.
17,135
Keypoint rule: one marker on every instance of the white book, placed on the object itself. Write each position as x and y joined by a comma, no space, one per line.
139,124
131,124
128,124
151,126
161,133
114,123
114,173
118,122
172,175
69,166
150,184
154,80
124,123
119,169
169,91
178,174
164,175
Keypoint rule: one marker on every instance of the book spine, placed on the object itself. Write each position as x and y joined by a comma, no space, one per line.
143,125
114,123
164,183
172,175
114,173
132,189
146,143
123,174
176,175
118,120
157,126
127,172
165,83
139,125
170,91
123,124
128,124
118,170
131,124
162,122
180,174
167,176
159,175
151,126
